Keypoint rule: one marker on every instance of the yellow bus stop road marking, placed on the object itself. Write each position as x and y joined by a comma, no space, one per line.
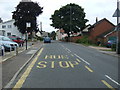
27,72
89,69
109,86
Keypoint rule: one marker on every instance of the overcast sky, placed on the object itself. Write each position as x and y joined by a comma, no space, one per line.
92,8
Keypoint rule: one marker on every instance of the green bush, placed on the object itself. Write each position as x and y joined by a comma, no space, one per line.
113,47
39,38
84,40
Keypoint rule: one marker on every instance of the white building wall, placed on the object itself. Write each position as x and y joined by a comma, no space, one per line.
10,28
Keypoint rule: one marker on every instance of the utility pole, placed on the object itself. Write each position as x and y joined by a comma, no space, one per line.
118,29
41,26
70,24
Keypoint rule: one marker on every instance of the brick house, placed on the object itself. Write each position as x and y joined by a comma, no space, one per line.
98,30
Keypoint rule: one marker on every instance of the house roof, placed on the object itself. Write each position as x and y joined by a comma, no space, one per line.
97,23
7,21
107,32
88,26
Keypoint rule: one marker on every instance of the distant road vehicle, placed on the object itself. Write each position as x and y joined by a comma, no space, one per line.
8,43
18,40
47,40
110,43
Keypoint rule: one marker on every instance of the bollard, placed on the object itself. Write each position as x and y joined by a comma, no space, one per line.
3,51
10,49
16,50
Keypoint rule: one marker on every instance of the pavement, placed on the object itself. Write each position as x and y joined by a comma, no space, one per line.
11,54
105,50
16,63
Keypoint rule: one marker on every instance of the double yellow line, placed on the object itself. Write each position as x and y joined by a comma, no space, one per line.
27,72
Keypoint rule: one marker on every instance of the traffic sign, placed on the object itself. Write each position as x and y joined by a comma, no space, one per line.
115,14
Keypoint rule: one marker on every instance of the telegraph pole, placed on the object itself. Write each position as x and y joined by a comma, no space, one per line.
41,26
118,31
117,14
70,24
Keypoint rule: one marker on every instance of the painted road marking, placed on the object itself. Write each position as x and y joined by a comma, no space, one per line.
89,69
82,59
108,85
31,52
73,64
48,57
72,55
42,64
27,72
78,60
56,57
64,64
112,80
61,64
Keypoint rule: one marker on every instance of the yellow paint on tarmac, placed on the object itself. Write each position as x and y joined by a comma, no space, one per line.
108,85
72,55
27,72
56,57
53,64
73,64
49,57
78,60
64,64
89,69
42,64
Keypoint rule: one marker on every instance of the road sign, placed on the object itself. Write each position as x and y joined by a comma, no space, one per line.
115,14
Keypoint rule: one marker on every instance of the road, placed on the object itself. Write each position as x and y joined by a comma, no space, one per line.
68,65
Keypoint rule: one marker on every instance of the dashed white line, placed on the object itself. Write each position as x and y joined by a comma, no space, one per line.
112,80
82,59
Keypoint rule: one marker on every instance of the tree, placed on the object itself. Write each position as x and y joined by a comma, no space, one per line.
53,35
71,18
1,20
27,12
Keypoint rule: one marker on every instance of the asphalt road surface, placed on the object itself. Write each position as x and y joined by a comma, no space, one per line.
68,65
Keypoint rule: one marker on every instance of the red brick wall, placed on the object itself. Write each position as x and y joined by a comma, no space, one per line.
99,29
75,38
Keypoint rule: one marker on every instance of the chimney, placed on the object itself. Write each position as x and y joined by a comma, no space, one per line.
96,19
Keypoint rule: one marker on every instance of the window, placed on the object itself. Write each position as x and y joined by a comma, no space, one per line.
9,26
3,26
9,34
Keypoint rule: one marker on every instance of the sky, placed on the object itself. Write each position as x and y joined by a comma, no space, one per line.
92,8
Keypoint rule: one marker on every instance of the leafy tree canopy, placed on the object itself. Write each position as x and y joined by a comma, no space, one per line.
27,12
53,35
71,18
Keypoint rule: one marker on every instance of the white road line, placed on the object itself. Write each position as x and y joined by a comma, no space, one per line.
112,80
68,49
82,59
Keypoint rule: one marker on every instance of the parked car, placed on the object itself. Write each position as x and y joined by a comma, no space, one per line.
18,40
7,43
47,40
110,43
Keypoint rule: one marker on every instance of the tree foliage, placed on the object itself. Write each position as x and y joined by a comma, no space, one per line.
53,35
71,18
27,12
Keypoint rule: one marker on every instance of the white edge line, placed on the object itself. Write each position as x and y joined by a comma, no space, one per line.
112,80
82,59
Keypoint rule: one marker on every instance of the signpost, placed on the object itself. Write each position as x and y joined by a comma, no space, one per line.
28,24
117,14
